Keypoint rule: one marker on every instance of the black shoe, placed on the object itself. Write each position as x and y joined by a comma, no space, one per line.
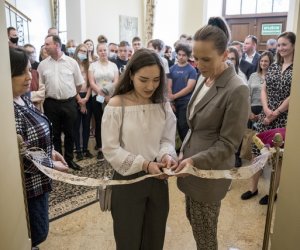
265,200
74,165
79,156
238,162
100,156
87,154
248,195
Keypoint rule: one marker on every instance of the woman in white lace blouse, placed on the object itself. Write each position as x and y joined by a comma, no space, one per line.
146,145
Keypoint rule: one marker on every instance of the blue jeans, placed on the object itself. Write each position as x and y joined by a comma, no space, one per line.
182,125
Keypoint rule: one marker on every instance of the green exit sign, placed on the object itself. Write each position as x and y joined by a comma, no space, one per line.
268,29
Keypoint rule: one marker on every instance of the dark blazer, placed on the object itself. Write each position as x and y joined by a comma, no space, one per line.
215,133
247,68
255,59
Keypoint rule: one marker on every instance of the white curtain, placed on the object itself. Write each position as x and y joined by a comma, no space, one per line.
55,13
150,14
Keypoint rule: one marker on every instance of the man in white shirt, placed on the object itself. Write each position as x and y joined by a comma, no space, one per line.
250,54
62,79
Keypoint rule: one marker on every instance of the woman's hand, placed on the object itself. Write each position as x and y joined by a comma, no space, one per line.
184,163
269,119
83,109
171,97
81,101
100,92
155,168
268,112
169,162
56,156
107,98
253,117
60,166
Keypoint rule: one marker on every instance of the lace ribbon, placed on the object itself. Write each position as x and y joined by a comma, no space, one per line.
36,155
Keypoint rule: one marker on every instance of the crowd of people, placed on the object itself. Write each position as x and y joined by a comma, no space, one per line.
133,100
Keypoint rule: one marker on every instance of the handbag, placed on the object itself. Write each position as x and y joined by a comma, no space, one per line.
104,193
104,196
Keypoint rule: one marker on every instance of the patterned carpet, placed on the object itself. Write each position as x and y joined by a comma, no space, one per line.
66,198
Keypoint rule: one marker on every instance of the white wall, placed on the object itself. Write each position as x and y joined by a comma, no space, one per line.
40,14
102,17
192,16
292,19
166,21
287,219
214,8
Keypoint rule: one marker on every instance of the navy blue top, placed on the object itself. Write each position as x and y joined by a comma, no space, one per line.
180,77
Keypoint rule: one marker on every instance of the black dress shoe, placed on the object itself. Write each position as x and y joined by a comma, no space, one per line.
87,154
238,162
79,156
74,165
248,195
265,200
100,156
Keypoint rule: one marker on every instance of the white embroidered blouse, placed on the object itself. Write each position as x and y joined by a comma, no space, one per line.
148,133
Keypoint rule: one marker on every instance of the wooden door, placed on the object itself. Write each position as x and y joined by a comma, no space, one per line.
268,21
243,26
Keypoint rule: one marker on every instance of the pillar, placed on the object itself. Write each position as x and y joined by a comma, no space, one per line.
13,225
193,14
76,20
287,217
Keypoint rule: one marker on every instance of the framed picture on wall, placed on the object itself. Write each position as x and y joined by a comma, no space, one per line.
128,28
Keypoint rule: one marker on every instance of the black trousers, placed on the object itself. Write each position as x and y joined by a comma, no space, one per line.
97,108
140,212
182,126
84,120
255,110
62,114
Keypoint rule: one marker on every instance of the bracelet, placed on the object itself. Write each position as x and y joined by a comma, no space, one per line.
147,168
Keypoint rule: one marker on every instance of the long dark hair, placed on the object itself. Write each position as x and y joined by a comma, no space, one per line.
268,54
18,61
216,31
140,59
94,58
291,36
